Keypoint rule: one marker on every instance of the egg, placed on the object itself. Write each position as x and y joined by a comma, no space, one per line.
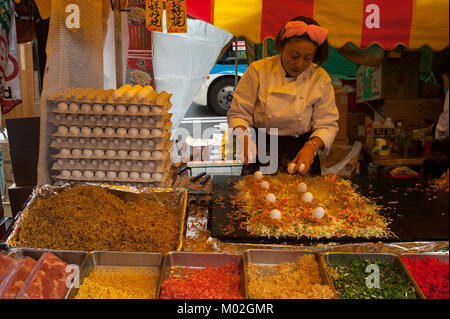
62,107
127,119
133,132
116,119
122,154
116,141
58,140
65,174
123,175
156,110
138,120
301,167
88,174
139,165
117,163
70,140
60,162
98,131
127,142
69,118
307,197
135,154
111,153
151,121
264,185
93,141
138,142
100,175
92,119
157,177
291,168
134,176
105,119
121,109
109,131
99,153
97,108
258,176
151,166
318,212
301,187
270,198
83,162
86,131
77,174
121,131
157,155
71,162
156,132
109,108
133,109
275,214
146,176
74,130
144,110
94,163
144,132
105,163
111,175
85,108
81,141
87,153
128,164
73,107
150,143
76,152
62,130
146,154
104,141
57,117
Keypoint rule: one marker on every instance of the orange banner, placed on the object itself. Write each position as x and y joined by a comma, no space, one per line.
154,14
176,18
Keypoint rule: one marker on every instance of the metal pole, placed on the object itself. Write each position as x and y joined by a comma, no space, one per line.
118,43
235,62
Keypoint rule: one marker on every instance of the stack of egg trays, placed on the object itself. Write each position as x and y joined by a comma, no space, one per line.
88,123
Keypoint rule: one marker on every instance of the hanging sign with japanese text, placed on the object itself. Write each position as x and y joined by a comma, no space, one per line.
176,16
154,15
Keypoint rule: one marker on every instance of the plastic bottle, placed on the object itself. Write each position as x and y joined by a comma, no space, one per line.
400,135
389,133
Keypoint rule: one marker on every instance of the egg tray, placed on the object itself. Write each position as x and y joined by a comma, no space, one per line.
164,134
106,179
147,167
164,112
165,157
133,122
163,99
155,144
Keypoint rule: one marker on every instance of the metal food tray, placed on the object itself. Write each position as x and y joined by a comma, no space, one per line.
273,257
202,260
175,197
344,259
111,258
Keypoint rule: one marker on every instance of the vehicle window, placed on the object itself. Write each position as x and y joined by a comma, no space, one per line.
229,56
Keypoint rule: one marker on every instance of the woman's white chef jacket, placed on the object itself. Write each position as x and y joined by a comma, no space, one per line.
266,98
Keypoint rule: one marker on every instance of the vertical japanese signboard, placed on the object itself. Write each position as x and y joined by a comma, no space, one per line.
176,16
140,54
154,15
10,93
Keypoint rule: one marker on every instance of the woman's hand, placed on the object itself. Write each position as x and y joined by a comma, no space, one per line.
250,150
306,155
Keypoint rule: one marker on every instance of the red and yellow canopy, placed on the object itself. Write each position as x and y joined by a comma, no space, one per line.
413,23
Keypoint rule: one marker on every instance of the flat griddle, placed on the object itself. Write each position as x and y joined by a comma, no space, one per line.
413,217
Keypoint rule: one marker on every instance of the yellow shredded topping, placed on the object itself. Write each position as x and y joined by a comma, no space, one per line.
299,280
115,282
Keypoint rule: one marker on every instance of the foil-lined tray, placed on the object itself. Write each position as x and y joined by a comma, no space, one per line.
172,197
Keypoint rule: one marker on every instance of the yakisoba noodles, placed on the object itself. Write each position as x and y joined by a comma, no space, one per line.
89,218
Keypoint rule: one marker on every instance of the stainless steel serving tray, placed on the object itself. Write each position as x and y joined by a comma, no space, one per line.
201,260
273,257
172,197
344,259
114,258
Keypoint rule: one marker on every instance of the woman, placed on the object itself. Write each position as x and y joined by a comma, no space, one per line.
290,92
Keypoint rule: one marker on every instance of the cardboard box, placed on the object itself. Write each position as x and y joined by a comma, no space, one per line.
342,105
393,79
19,196
414,112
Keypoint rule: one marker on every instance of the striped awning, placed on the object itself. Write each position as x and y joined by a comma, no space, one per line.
412,23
